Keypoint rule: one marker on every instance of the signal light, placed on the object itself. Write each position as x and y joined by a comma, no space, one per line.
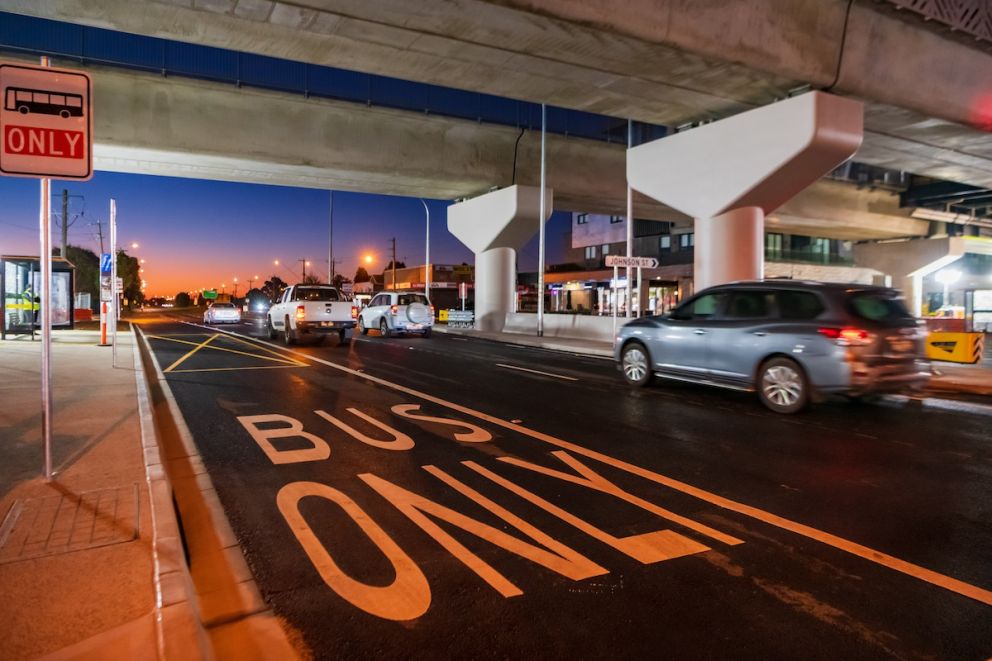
301,312
354,312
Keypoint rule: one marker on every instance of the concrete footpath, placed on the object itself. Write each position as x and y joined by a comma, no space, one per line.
93,564
949,378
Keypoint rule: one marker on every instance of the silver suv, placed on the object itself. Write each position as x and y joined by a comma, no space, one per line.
792,341
397,312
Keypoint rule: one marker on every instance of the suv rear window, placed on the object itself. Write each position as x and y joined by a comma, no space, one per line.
793,304
316,294
407,299
878,306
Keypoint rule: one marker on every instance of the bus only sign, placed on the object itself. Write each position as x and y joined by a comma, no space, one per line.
46,123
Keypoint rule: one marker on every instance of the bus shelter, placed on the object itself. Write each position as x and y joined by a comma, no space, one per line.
20,283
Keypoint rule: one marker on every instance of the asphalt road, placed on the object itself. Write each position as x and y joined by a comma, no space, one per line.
456,498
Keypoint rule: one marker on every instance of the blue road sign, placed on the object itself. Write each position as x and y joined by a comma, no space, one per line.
106,266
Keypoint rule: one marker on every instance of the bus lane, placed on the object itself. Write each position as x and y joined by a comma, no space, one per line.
410,518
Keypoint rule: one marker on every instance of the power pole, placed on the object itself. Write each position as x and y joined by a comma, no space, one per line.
394,263
304,268
99,231
330,238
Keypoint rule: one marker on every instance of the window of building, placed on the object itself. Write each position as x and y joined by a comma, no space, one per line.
665,242
582,219
687,240
616,219
606,249
591,252
773,243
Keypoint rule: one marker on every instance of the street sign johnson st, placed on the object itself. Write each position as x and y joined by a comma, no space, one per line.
45,122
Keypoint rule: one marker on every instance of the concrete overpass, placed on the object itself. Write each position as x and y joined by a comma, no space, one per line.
183,127
928,93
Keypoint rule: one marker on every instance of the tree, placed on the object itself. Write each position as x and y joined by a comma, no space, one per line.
399,265
339,280
87,278
273,287
311,279
183,300
361,275
127,270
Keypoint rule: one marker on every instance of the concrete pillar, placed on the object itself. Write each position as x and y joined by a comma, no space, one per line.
494,226
495,283
729,247
729,174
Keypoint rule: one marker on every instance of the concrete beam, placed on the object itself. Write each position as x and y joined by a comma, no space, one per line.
178,127
666,62
188,128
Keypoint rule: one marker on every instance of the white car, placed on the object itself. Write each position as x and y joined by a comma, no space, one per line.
397,312
222,313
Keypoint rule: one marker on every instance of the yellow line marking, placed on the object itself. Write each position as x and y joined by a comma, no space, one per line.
883,559
188,354
291,361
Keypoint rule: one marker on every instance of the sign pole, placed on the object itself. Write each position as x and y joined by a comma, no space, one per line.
640,312
45,264
113,278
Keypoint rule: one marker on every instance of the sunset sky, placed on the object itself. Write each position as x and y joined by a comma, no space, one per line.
200,234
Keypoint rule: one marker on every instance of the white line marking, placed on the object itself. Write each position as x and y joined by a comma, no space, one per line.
524,369
866,553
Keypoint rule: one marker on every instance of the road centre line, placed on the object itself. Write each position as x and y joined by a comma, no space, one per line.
883,559
525,369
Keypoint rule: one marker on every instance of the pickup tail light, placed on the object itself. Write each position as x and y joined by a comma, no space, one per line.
432,311
394,309
301,312
354,312
847,337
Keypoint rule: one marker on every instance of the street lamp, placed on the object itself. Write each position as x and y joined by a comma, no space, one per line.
427,253
235,288
223,288
947,277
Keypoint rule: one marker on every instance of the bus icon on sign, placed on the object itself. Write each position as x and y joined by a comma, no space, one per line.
43,102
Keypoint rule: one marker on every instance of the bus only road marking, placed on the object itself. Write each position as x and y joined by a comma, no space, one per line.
979,594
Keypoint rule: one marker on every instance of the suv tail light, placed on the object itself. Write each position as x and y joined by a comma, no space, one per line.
394,309
354,312
847,337
301,312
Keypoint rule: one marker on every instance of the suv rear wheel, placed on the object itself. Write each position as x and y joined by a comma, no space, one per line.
782,386
635,364
384,328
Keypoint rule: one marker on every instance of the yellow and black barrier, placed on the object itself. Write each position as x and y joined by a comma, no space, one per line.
442,315
955,347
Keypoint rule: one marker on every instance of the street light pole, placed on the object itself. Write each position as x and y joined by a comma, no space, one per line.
427,253
540,246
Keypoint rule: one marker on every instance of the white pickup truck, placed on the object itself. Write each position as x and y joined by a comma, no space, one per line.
310,311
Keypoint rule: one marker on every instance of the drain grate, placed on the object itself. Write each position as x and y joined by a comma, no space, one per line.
38,527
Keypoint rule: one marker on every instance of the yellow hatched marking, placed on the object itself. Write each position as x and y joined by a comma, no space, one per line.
180,360
290,361
229,369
